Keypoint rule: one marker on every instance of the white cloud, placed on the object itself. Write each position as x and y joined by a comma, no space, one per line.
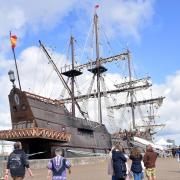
169,111
126,17
16,14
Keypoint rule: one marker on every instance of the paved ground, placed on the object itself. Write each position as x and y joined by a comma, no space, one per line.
167,169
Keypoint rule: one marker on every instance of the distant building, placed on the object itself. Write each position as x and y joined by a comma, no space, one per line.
172,141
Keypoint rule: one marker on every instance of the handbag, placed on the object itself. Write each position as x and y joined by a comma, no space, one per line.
129,176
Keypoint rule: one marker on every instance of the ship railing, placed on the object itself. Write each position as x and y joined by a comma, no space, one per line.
69,68
44,99
87,123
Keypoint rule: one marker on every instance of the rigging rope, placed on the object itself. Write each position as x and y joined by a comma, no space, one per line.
35,70
62,94
86,41
110,112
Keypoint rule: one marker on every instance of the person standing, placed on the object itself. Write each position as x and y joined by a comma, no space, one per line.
110,164
173,152
136,166
178,153
149,162
57,166
119,163
17,163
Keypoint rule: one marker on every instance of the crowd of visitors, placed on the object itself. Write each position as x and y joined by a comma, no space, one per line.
127,135
141,164
119,170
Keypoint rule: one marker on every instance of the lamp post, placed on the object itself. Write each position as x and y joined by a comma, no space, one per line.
12,77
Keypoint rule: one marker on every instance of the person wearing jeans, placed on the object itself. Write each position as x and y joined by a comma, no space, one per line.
136,166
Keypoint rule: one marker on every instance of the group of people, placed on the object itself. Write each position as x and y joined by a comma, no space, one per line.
118,167
127,135
17,164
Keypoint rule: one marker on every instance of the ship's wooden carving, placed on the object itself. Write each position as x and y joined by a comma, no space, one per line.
16,134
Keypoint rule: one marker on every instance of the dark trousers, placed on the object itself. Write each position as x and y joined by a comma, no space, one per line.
119,178
17,178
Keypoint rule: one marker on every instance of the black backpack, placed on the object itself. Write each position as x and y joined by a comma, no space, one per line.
15,161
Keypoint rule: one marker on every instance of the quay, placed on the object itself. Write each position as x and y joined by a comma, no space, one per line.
95,168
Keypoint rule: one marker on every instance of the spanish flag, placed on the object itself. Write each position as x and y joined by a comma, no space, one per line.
13,39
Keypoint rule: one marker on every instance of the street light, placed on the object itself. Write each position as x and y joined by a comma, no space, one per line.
11,77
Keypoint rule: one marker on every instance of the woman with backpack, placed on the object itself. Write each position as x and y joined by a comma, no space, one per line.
136,166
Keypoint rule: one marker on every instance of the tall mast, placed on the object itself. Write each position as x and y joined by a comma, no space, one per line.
131,92
98,69
60,75
72,78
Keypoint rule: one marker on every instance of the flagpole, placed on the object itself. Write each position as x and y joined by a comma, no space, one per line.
16,64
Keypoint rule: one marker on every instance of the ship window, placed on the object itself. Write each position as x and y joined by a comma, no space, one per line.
14,108
23,107
29,124
85,132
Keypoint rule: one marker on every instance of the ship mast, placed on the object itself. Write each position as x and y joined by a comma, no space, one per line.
98,69
132,91
72,78
69,73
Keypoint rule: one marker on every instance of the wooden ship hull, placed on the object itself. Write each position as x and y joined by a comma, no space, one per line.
43,124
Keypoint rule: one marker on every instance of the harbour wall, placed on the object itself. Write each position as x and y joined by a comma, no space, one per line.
42,163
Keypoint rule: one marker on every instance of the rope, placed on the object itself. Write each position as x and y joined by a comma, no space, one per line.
110,112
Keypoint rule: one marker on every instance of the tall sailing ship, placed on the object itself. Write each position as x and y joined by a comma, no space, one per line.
43,124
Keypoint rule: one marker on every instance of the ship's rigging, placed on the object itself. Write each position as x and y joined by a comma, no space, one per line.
36,117
131,86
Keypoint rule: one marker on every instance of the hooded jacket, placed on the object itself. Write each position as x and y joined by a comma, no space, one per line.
119,165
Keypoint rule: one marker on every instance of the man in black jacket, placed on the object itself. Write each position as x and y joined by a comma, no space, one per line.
17,162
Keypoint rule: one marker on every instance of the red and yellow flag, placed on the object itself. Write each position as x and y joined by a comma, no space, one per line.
13,39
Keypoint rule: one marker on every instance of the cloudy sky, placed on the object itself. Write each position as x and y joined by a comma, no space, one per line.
149,28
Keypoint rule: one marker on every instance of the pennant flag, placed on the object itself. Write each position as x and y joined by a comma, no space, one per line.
96,6
13,39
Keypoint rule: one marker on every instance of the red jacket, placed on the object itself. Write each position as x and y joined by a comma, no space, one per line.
150,159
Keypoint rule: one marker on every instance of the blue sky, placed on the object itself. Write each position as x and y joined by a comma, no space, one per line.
155,51
150,29
159,46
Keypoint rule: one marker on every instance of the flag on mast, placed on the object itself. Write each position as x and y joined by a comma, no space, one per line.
13,39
